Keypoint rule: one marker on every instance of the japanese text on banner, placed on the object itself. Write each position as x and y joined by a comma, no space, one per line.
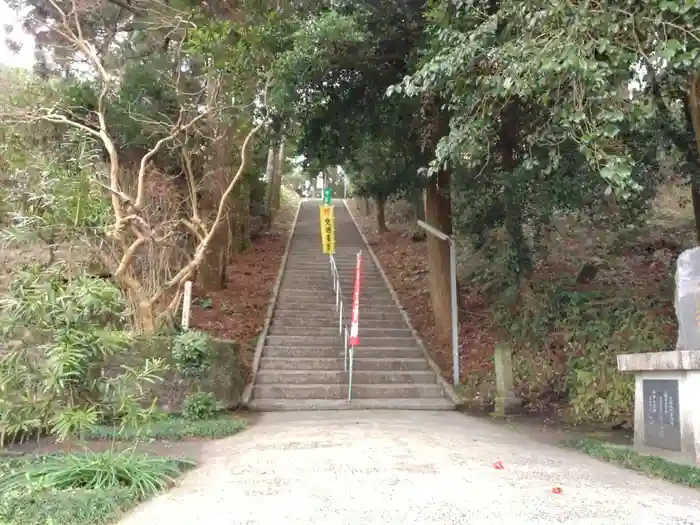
327,229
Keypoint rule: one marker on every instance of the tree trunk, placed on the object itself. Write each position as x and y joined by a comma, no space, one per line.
239,219
381,217
521,259
212,272
694,103
146,318
279,168
695,196
438,215
417,205
270,178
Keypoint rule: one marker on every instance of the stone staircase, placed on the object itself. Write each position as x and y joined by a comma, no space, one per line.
302,364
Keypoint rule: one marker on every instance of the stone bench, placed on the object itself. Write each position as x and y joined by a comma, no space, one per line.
666,400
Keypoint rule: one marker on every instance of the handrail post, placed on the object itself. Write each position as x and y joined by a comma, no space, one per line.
345,340
453,295
352,351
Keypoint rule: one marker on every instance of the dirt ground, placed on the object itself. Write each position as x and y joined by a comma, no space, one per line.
238,311
405,263
642,264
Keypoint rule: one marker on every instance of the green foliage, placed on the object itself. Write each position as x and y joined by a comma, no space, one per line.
145,475
67,507
567,348
380,168
54,377
50,176
540,119
199,406
172,428
343,61
192,353
652,466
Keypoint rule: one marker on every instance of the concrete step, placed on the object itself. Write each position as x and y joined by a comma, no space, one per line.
354,404
306,307
342,263
331,329
307,270
359,377
311,340
319,305
389,352
384,311
323,284
309,317
304,340
337,363
375,298
296,296
297,322
338,391
291,352
345,275
297,266
337,351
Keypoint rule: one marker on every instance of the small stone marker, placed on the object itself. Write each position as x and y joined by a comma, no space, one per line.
662,420
506,401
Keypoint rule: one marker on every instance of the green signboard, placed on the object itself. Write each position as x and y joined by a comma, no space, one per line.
327,195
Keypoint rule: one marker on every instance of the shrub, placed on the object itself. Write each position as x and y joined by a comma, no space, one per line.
175,428
144,475
192,353
67,507
55,379
198,406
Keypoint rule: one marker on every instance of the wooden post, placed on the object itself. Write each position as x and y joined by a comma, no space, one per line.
506,401
186,305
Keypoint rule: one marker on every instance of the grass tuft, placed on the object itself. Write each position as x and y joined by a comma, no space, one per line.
67,507
81,489
173,429
652,466
97,488
145,475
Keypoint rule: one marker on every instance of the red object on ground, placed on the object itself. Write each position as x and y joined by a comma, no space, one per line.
556,490
354,339
498,465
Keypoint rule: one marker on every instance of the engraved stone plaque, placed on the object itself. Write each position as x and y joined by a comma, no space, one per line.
662,425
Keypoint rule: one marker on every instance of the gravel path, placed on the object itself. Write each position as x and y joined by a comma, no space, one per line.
385,468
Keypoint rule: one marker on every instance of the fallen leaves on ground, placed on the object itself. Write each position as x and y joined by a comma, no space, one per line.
237,312
641,266
405,263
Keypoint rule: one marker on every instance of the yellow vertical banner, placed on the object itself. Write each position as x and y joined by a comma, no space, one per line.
327,229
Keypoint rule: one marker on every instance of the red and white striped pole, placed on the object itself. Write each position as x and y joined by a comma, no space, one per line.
354,338
355,322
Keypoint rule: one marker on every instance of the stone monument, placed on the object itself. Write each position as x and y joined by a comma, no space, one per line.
506,402
667,384
687,300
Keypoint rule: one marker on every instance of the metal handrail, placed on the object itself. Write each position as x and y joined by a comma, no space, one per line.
342,326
